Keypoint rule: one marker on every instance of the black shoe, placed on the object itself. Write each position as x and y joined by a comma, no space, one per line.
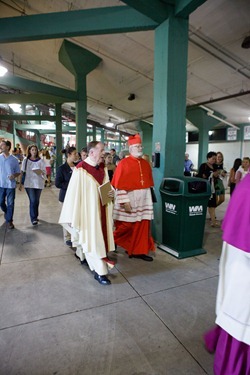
102,279
11,225
143,257
34,222
68,243
81,261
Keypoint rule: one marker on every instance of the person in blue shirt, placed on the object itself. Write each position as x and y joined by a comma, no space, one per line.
9,170
188,165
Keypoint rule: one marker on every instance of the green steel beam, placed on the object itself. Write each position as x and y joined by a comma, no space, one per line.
109,20
184,8
65,131
156,10
33,127
31,99
42,88
43,129
28,117
79,61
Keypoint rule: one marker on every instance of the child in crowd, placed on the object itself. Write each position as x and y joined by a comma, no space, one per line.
47,159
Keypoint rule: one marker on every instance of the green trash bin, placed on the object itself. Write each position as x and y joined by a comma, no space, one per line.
184,206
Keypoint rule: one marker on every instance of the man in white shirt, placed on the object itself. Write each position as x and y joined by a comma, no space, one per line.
9,170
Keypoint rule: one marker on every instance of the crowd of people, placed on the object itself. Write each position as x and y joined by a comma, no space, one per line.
93,230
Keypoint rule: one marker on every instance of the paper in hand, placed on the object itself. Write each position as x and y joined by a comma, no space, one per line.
38,171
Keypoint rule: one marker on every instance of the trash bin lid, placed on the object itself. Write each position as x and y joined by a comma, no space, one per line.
198,186
172,186
185,186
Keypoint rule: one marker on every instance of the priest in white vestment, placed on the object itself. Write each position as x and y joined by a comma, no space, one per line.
90,223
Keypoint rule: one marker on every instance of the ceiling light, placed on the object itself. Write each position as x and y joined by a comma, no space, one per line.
109,124
16,107
3,70
110,108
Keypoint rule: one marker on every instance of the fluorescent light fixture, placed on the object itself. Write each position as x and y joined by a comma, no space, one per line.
109,124
16,107
3,71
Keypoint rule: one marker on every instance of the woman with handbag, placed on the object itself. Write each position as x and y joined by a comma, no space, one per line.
33,172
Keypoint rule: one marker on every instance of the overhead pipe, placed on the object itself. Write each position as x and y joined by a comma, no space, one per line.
220,99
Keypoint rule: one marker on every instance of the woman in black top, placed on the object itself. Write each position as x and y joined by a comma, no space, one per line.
208,172
232,174
63,176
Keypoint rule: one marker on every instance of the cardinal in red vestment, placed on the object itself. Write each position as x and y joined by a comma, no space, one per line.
133,209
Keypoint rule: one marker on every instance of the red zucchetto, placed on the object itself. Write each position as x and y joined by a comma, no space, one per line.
134,139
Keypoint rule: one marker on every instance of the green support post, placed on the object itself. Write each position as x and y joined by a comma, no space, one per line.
171,47
79,62
58,134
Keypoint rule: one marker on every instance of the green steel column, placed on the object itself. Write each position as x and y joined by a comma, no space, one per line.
171,46
38,140
79,62
58,134
81,111
147,134
204,123
14,134
203,145
120,142
241,137
102,135
94,133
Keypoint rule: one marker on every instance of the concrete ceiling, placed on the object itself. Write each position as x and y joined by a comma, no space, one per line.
218,66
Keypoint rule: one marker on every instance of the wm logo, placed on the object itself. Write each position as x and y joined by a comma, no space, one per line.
195,210
171,208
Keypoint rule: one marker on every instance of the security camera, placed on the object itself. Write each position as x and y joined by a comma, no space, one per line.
131,97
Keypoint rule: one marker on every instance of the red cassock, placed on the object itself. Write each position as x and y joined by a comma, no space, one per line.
133,179
130,173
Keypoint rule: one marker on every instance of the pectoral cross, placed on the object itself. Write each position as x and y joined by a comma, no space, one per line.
141,181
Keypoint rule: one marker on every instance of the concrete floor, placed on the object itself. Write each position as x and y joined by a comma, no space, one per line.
55,319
